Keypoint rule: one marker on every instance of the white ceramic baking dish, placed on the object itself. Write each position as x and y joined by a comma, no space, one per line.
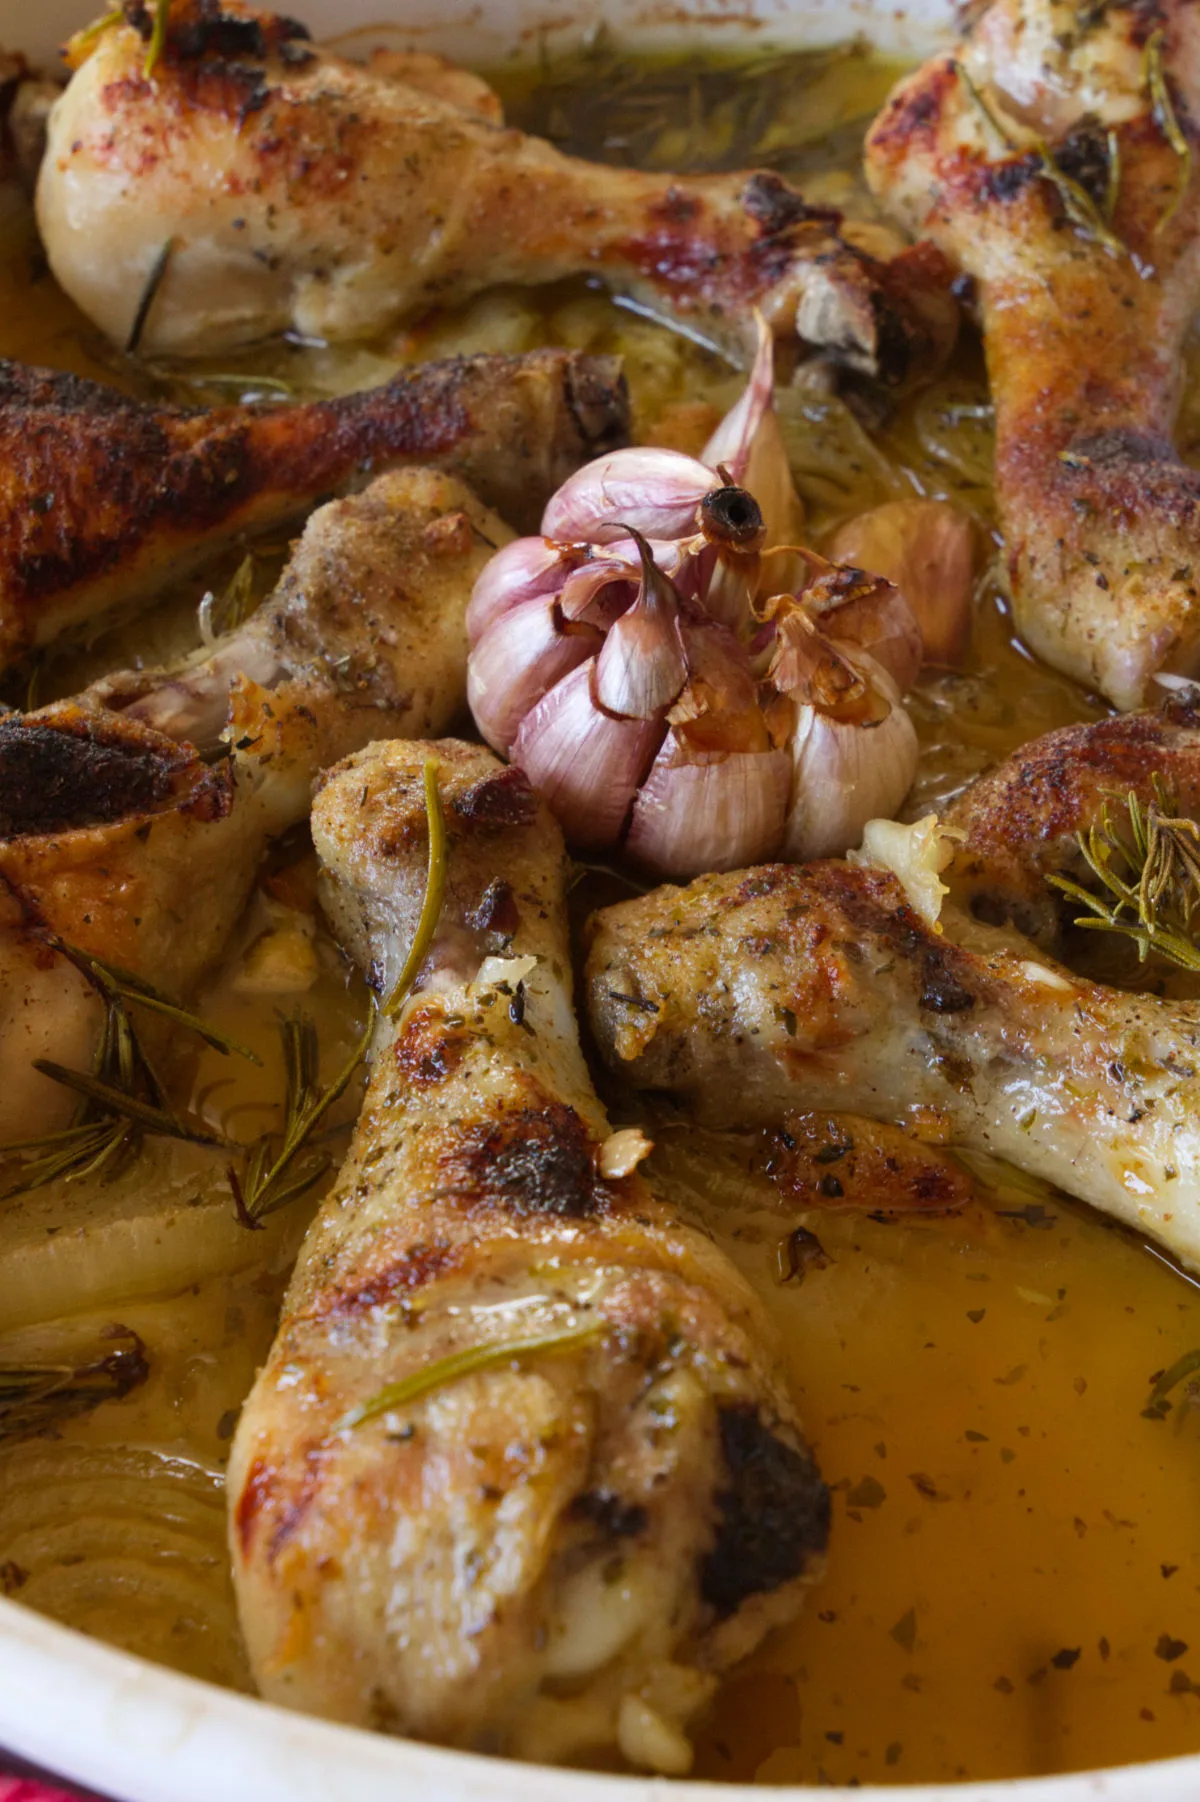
141,1734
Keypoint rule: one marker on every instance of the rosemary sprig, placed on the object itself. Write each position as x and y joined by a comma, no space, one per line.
153,282
1150,878
158,37
1167,121
274,1175
1077,203
80,45
122,1098
465,1363
1157,1406
435,893
35,1398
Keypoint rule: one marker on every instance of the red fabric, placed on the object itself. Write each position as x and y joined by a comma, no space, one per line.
24,1789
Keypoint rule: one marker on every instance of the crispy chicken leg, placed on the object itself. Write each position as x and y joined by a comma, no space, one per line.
102,499
819,987
299,190
1019,823
580,1491
1083,314
121,842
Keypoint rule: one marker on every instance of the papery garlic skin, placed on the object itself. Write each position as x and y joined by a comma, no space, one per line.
716,810
844,774
521,656
656,492
520,571
585,763
928,549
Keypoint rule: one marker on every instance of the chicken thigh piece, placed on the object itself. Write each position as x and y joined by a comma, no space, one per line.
521,1473
750,995
1053,158
104,499
301,191
1019,823
121,842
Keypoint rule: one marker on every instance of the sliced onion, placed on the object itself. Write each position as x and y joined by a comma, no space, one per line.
523,653
585,764
656,492
518,572
716,810
844,774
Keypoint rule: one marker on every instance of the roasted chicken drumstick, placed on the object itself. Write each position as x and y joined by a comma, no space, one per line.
520,1473
1053,158
121,842
103,499
820,987
301,191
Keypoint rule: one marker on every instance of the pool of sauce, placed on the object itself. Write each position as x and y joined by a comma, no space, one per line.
1014,1573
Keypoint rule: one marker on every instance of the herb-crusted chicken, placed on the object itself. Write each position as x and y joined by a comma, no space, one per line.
520,1473
778,988
119,840
104,499
302,191
1053,158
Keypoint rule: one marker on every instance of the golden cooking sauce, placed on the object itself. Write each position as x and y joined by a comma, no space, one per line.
1014,1572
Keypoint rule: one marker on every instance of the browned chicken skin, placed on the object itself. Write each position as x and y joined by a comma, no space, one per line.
1083,320
556,1549
753,994
302,191
1020,822
120,841
103,499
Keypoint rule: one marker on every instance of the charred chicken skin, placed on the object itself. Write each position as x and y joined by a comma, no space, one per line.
1053,158
753,994
302,191
103,499
121,842
520,1472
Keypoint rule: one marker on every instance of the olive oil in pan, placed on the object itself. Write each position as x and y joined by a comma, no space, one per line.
1014,1577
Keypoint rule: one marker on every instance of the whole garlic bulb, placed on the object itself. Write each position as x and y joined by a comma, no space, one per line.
634,663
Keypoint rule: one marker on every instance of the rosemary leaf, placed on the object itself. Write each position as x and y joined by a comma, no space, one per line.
1157,1405
1149,880
465,1363
158,267
124,1104
435,893
1168,122
266,1184
158,36
984,110
37,1398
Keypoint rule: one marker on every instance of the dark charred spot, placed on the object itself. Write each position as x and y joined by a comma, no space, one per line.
416,1269
1182,707
1083,156
427,1050
256,1494
941,991
204,31
530,1161
676,208
776,207
497,911
56,780
603,1508
1122,446
731,516
772,1513
1005,181
504,799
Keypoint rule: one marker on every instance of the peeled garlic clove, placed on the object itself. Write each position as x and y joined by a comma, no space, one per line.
844,774
520,657
519,572
585,764
717,810
654,491
927,548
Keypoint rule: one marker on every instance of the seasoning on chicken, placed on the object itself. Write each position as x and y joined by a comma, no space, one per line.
123,843
753,994
301,191
103,499
1052,157
520,1473
1019,823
